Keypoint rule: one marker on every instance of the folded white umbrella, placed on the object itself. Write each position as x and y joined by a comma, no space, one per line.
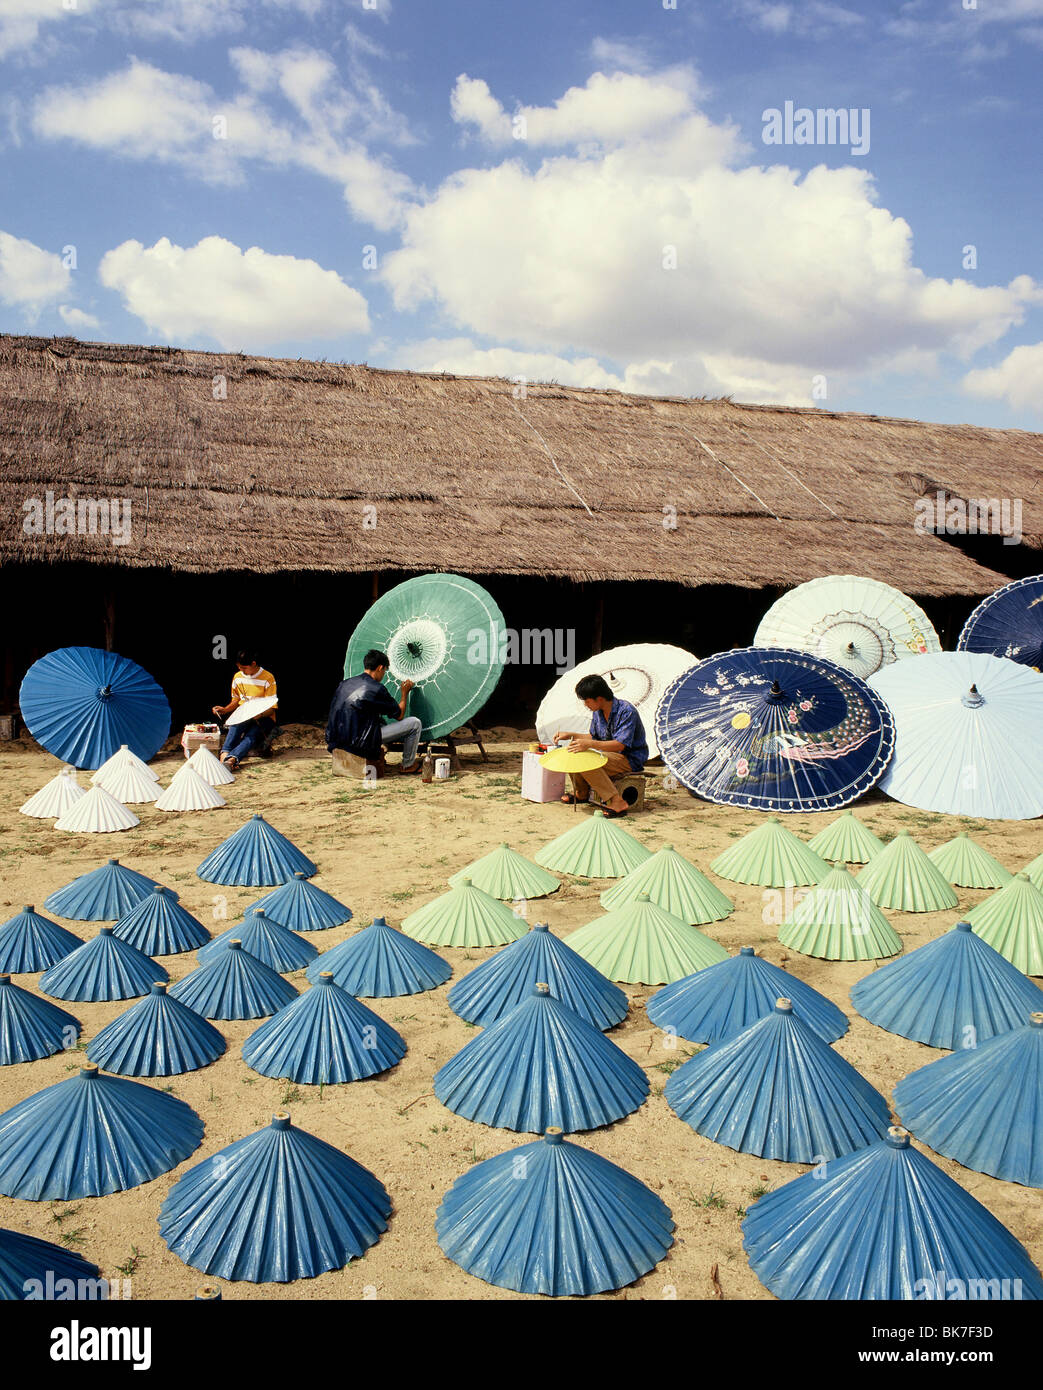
211,769
122,758
638,673
189,792
129,784
861,624
97,811
55,797
967,735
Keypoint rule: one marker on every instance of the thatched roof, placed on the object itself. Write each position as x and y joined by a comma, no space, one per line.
464,475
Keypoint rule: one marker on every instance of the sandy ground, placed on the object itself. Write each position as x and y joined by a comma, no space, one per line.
385,851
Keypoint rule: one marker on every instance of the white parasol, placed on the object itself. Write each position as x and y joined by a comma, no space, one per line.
860,624
967,735
639,673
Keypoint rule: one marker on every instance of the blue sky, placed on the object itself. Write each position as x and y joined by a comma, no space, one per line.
580,192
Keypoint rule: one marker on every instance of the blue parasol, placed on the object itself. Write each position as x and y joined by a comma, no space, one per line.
92,1135
1009,623
554,1218
277,1206
775,730
31,1268
883,1223
83,704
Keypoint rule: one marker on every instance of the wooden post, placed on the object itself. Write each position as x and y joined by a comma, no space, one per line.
110,619
599,623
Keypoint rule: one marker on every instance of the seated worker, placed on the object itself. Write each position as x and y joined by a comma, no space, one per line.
253,735
360,704
615,730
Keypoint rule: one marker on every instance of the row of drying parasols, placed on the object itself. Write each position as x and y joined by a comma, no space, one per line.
124,780
768,1083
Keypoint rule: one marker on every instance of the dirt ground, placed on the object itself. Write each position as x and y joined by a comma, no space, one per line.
386,850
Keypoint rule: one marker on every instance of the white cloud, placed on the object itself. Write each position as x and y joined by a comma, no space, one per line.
461,357
965,29
146,113
779,276
609,109
1018,379
808,18
744,378
626,55
77,318
30,277
21,21
381,9
241,299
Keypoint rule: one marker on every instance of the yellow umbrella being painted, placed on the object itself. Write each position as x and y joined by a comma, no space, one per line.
565,760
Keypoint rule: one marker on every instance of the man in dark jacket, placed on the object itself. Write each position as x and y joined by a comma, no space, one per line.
360,705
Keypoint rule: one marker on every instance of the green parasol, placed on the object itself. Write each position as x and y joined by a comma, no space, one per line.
902,877
447,635
465,916
1011,922
674,883
596,848
1035,871
964,862
771,856
838,920
846,841
643,944
505,874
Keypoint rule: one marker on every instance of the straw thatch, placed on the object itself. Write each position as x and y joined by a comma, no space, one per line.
464,474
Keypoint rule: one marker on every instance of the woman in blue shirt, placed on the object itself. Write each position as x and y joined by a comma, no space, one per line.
615,730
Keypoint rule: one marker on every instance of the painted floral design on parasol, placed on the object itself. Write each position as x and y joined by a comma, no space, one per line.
776,730
861,624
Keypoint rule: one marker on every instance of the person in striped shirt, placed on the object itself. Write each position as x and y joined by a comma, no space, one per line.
250,682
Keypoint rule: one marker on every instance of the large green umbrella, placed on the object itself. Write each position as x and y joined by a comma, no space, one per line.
902,877
846,841
447,635
1011,922
963,861
674,883
838,920
465,916
643,944
772,856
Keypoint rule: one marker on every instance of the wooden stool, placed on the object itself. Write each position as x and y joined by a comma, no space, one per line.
347,764
467,733
631,788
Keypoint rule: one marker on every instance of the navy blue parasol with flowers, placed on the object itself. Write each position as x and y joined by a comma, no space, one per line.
775,730
1009,623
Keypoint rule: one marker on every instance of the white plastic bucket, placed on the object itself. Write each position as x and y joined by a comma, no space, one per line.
441,769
